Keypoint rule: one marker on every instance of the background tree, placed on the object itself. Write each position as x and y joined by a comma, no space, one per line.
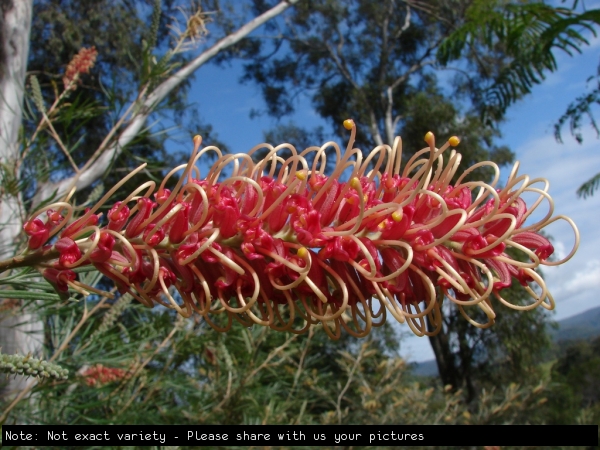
530,33
580,108
574,397
14,47
379,63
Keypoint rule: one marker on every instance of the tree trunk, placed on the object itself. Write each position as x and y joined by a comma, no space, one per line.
455,369
445,359
19,333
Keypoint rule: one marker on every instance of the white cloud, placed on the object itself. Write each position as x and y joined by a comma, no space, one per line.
587,279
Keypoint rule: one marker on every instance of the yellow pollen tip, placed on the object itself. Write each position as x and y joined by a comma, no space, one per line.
454,141
197,138
429,137
348,124
301,175
302,252
354,183
397,215
382,225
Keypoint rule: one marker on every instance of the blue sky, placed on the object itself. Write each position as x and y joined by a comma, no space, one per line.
226,105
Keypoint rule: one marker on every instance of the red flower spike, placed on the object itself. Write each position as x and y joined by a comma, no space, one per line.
81,64
299,246
100,375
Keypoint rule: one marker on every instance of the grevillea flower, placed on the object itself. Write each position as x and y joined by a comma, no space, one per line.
100,375
81,64
281,244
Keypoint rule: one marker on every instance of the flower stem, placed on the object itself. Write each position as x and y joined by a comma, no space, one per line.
28,259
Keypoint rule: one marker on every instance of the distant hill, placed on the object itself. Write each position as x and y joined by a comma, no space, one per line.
425,368
582,326
585,325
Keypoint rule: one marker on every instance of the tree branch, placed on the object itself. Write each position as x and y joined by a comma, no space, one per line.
86,177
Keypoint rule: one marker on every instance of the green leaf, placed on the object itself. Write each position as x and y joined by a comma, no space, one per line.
27,295
587,189
37,93
529,32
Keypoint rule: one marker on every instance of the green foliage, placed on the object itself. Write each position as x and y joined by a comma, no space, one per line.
146,367
575,395
478,359
577,110
582,107
589,187
525,32
134,365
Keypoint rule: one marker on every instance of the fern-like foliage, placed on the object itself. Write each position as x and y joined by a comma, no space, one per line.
581,107
575,113
587,189
528,33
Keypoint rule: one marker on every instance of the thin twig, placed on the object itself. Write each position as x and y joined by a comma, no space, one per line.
350,377
60,144
271,356
138,369
301,363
